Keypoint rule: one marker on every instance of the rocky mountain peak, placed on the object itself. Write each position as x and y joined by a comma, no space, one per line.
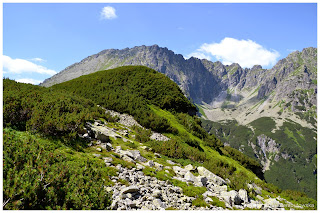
256,67
201,80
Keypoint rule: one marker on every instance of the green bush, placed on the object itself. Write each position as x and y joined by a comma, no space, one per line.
243,159
124,182
213,142
217,202
160,175
39,174
142,135
178,149
130,89
52,113
199,202
192,124
189,190
220,168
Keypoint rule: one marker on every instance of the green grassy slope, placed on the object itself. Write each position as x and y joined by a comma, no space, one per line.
295,141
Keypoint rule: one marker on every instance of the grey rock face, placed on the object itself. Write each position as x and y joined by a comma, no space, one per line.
205,81
190,74
216,179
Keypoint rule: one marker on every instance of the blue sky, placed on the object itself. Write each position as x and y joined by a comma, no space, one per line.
42,39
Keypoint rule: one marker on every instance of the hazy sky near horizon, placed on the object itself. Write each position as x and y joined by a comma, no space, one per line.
41,39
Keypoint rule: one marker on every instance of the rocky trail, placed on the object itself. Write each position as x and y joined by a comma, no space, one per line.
133,189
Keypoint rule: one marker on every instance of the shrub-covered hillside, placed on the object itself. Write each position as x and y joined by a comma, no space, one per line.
49,112
134,90
56,139
131,89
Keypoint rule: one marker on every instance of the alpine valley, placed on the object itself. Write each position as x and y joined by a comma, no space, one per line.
145,129
268,114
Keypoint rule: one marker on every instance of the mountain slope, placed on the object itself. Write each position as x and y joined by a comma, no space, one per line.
124,167
247,91
196,85
231,97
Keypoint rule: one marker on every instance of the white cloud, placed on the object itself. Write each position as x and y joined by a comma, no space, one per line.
247,53
19,66
108,13
38,59
28,81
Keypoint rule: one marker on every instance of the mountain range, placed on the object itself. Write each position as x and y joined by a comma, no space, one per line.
268,114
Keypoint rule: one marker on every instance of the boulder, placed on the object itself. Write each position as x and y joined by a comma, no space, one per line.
156,193
97,155
102,137
127,153
158,166
124,132
150,163
207,194
128,159
158,137
108,189
189,177
130,189
208,200
201,181
159,204
232,197
99,149
139,167
219,189
107,159
243,195
210,176
257,190
272,203
109,146
235,197
189,167
145,148
114,204
119,168
254,205
179,171
259,197
135,154
157,155
170,162
141,159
